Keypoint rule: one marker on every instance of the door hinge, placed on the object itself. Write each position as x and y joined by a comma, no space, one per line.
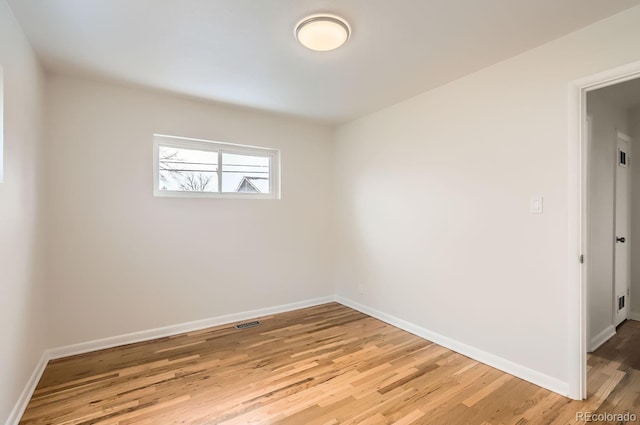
582,259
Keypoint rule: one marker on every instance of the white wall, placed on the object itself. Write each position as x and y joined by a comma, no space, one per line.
122,261
22,329
607,118
434,193
634,128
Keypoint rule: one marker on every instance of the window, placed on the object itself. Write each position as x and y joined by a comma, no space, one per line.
200,168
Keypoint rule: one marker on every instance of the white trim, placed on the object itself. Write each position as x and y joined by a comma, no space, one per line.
27,392
577,246
492,360
577,218
220,148
634,316
131,338
171,330
601,338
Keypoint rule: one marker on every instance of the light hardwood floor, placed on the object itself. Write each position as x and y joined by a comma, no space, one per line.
323,365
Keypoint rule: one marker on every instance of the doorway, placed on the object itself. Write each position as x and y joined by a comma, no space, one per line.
610,121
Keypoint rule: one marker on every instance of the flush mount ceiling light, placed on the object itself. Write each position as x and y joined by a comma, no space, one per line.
322,32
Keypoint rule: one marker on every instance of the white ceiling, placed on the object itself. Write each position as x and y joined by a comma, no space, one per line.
243,51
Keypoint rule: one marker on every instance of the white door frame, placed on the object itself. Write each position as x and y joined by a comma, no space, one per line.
578,218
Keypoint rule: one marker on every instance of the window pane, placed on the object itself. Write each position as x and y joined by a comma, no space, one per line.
188,169
245,173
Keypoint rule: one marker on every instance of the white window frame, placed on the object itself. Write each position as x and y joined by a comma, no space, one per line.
219,147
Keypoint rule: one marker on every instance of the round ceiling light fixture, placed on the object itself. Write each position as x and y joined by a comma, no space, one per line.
322,32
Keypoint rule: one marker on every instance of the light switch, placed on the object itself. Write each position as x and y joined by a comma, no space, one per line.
536,206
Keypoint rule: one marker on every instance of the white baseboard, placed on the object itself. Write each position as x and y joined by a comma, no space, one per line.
27,392
131,338
492,360
634,316
601,338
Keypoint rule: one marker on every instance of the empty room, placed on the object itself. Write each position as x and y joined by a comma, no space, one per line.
319,212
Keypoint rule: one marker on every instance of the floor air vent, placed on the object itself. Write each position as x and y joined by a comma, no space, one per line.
247,325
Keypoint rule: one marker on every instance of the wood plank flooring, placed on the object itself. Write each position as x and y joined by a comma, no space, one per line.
323,365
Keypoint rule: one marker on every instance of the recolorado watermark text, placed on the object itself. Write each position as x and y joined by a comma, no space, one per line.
626,417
